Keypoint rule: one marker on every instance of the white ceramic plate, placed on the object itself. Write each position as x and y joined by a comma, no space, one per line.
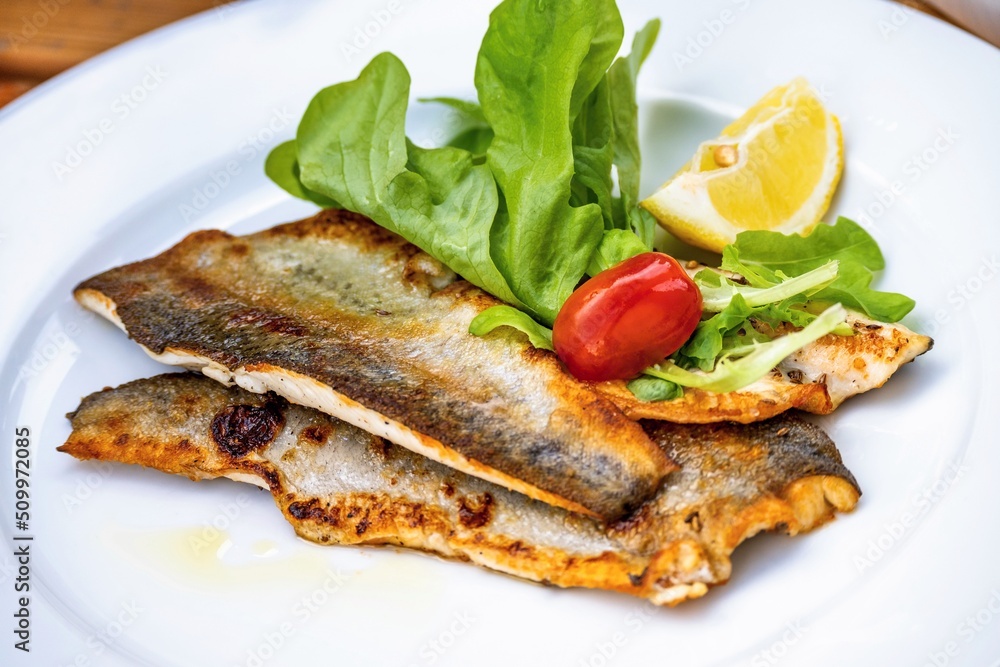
122,156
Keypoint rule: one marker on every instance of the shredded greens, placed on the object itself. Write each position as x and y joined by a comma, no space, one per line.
717,292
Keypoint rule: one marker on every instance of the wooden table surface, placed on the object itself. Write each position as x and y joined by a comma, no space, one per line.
40,38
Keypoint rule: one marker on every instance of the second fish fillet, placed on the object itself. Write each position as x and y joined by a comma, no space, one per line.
337,484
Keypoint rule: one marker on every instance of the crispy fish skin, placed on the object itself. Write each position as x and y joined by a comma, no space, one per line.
817,378
341,315
337,484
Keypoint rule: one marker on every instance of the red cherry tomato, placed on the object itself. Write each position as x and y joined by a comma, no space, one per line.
626,318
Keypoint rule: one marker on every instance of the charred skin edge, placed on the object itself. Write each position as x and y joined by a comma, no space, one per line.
609,481
683,566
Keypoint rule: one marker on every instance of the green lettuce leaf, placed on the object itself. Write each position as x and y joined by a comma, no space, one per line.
593,153
476,140
506,316
625,113
649,389
616,246
282,167
537,65
467,108
705,345
352,148
606,134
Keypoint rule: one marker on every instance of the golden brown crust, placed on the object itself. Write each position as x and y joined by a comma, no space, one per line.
734,482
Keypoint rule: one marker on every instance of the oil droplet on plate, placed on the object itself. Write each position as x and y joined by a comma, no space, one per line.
201,556
264,548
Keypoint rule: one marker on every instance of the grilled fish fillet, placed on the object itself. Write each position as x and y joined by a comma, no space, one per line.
337,484
338,314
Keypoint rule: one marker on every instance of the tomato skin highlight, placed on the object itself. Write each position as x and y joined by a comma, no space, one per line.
627,318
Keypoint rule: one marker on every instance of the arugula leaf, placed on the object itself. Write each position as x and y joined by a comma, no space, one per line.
793,254
506,316
282,167
352,148
537,64
650,389
625,113
730,375
761,257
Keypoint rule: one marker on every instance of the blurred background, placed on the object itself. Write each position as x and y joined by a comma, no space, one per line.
40,38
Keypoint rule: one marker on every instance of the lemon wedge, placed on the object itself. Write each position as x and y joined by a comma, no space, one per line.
775,168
